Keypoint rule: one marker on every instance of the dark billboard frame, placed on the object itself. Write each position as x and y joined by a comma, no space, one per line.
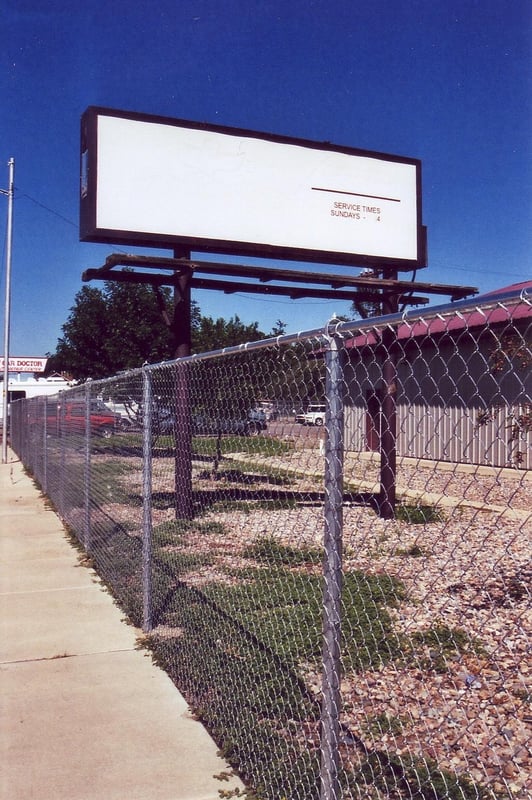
92,231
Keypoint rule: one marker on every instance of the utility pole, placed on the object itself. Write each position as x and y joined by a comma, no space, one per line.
9,242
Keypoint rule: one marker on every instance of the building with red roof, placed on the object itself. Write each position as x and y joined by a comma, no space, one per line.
464,381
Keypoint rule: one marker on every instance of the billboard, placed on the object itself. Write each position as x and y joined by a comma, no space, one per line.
163,182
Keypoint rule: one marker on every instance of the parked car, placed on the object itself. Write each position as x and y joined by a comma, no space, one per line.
163,421
314,415
71,417
253,423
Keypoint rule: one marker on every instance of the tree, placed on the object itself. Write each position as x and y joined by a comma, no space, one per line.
111,329
361,307
209,334
124,325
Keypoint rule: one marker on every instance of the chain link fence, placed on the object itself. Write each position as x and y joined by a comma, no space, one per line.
326,540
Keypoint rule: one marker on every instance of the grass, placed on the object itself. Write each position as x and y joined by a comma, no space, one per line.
283,610
440,644
181,563
237,659
418,515
127,444
269,550
106,481
131,443
256,445
384,724
403,776
173,532
247,506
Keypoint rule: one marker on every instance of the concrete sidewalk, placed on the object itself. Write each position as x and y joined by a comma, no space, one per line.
84,714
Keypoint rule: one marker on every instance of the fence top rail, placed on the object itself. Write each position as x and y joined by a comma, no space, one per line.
334,327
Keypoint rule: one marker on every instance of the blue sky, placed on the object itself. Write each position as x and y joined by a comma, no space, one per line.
447,82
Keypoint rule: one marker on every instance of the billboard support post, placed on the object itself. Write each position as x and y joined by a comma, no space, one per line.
182,335
388,438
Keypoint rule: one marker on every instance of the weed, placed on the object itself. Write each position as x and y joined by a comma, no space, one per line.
402,776
180,563
414,551
384,724
418,515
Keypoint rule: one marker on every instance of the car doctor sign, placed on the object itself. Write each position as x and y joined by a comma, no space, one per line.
24,364
166,182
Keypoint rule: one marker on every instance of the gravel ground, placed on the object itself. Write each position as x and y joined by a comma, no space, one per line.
468,571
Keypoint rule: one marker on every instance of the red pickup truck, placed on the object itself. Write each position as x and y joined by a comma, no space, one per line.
71,417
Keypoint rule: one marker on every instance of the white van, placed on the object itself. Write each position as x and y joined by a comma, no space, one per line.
20,388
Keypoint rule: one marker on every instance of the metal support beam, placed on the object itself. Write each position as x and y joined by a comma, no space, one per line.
268,274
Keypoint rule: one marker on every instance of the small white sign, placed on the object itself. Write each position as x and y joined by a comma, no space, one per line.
24,364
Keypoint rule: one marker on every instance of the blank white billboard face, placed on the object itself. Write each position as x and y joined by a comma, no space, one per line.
161,181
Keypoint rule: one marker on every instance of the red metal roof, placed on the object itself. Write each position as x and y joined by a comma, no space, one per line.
483,310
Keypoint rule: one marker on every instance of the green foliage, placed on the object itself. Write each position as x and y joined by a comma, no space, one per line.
117,558
112,329
209,334
284,611
247,506
243,693
238,649
126,324
236,659
179,563
126,444
106,481
384,724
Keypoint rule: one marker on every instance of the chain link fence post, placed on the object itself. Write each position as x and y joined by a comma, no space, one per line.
147,415
44,447
183,443
87,469
63,440
332,572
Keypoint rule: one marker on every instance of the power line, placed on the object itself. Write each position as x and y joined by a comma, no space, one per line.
50,210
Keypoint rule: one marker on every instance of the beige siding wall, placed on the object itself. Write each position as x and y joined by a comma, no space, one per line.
452,405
